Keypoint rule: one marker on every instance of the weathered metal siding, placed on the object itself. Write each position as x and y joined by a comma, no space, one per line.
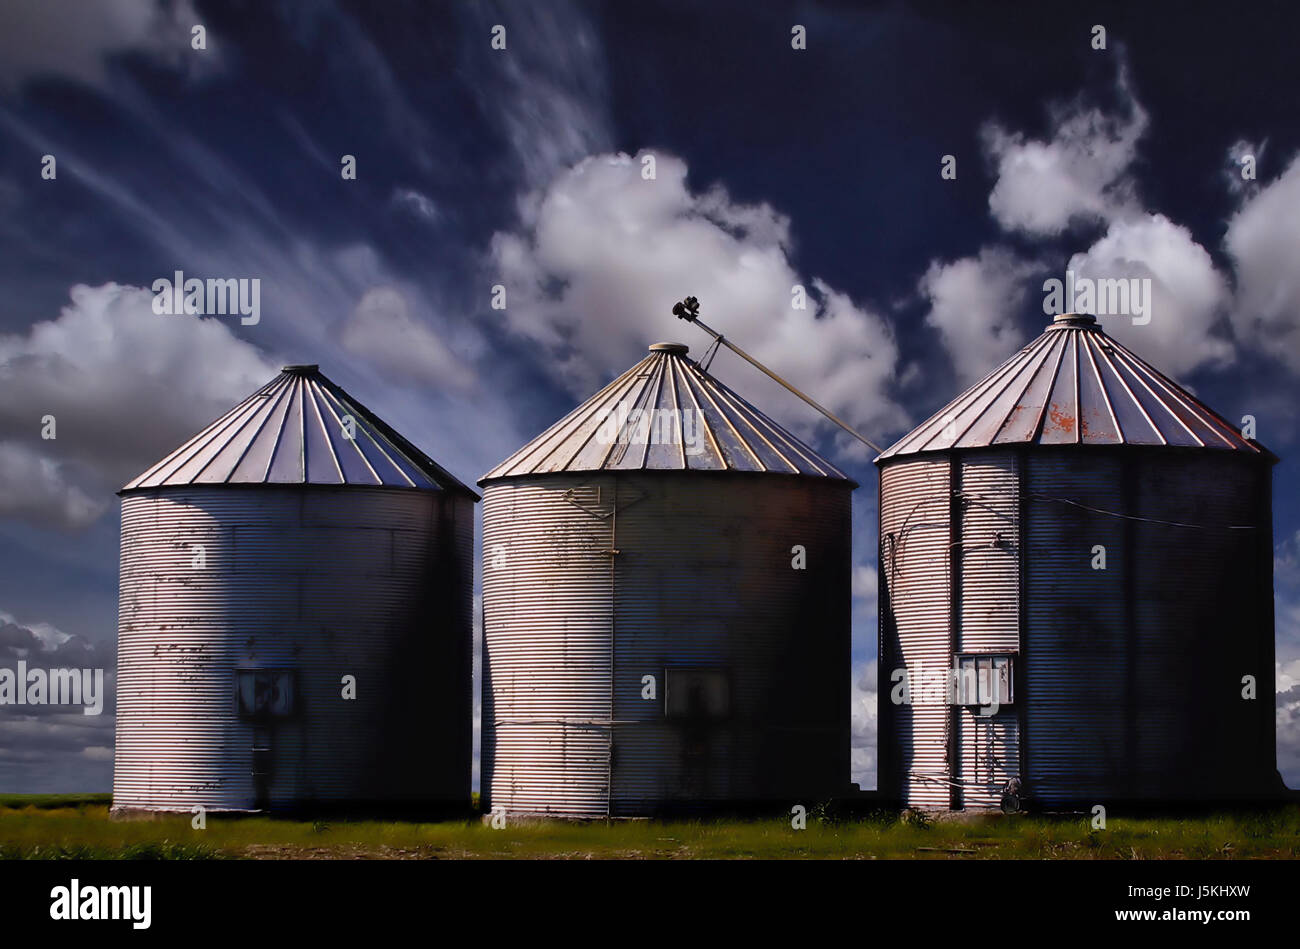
1135,673
1128,673
1129,676
1197,625
611,578
916,627
1076,720
989,601
547,677
374,583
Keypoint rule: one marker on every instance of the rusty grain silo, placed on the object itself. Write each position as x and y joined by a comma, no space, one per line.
1087,543
649,645
296,541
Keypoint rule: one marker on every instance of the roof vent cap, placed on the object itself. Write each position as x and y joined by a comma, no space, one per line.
1074,319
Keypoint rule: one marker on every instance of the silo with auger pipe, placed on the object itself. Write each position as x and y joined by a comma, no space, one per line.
1075,590
294,628
666,607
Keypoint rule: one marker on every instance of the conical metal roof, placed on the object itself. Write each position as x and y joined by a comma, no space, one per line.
666,414
1074,385
294,430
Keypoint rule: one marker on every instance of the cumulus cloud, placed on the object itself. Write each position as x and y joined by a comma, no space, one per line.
973,304
1199,319
37,488
47,645
1286,582
1288,722
40,744
1082,173
864,724
1079,174
1189,297
123,386
382,330
1262,238
75,39
604,253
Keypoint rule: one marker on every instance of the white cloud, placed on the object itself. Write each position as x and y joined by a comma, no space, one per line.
604,254
418,205
1262,238
1286,582
973,305
865,582
1081,173
382,331
47,637
73,38
1287,675
864,725
36,488
1189,295
1288,721
124,386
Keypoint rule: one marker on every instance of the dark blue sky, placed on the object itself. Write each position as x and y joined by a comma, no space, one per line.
479,167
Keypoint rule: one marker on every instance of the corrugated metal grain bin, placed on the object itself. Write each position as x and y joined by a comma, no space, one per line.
1076,576
295,542
649,644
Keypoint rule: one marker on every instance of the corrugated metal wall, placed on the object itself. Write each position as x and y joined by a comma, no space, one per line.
1076,691
916,599
1129,675
1197,625
988,747
702,578
374,583
1134,671
547,683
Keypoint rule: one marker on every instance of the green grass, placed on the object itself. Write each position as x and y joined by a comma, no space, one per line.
43,801
78,828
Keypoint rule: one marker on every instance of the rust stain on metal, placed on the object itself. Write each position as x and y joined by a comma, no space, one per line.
1108,393
1060,419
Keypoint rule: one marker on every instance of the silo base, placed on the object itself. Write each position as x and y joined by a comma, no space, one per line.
416,812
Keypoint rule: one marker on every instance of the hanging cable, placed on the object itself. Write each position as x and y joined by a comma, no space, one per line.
1149,520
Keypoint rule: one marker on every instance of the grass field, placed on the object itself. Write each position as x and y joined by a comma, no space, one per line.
77,827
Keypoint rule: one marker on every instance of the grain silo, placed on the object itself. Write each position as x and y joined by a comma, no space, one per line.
665,607
294,628
1076,575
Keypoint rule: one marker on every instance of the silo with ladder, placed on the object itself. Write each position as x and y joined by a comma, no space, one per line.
1075,590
